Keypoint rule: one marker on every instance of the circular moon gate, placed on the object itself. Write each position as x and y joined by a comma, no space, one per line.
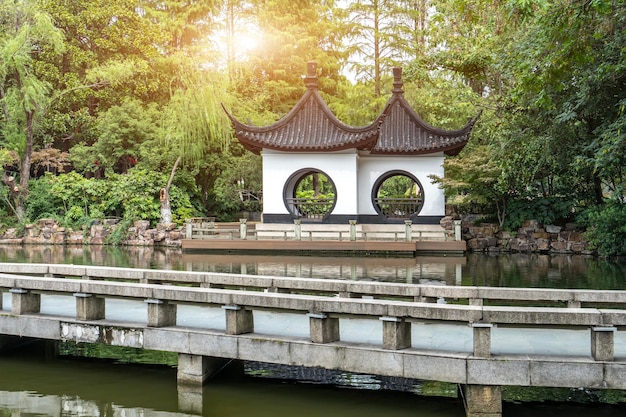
398,195
310,194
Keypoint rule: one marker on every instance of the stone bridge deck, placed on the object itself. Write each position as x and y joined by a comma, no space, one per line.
559,338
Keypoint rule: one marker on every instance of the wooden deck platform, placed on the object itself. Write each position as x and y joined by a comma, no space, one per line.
392,248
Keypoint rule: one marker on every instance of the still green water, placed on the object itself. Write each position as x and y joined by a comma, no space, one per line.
33,384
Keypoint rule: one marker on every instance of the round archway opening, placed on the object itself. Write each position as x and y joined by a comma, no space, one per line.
398,195
310,194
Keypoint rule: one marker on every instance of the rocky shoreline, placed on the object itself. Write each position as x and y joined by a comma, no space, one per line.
48,232
532,237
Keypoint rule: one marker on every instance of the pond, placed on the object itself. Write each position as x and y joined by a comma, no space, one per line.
78,384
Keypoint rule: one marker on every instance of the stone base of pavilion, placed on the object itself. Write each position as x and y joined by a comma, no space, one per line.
311,238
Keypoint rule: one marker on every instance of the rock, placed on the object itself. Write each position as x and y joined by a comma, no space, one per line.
553,229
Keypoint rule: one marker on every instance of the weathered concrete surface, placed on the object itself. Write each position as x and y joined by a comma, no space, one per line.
462,368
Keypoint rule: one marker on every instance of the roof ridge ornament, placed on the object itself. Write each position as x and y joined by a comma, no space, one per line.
311,78
398,84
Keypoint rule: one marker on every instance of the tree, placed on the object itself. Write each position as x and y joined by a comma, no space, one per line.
24,96
384,34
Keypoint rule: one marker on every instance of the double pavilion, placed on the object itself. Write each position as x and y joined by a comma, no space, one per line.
317,169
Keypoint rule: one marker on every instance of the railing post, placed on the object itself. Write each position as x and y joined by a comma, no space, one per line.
188,230
238,320
352,230
323,329
297,229
482,339
457,230
243,229
603,343
161,313
408,236
89,307
24,301
396,333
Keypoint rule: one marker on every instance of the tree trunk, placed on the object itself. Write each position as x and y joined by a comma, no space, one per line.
20,193
164,196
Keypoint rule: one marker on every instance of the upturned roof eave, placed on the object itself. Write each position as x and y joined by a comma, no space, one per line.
416,119
310,94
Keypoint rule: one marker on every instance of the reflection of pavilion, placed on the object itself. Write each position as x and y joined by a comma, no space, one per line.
372,174
445,270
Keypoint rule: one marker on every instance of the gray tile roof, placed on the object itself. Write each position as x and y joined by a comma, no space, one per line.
312,127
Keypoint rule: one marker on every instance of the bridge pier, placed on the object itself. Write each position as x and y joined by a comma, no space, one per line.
192,372
482,400
24,301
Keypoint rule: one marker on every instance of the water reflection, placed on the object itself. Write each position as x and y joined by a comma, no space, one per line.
31,386
511,270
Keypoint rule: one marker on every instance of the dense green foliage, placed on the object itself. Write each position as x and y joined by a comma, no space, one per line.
105,97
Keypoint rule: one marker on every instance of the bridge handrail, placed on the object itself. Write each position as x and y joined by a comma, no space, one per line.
475,295
322,304
324,312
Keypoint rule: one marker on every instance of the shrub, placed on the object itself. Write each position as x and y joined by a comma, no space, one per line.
606,228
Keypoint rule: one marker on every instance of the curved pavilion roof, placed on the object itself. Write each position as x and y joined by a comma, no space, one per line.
404,132
312,127
309,127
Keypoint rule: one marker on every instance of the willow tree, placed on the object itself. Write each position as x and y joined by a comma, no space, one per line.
24,94
196,125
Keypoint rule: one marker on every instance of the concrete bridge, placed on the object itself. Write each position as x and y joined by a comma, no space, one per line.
470,336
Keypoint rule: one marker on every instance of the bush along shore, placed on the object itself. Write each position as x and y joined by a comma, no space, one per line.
485,237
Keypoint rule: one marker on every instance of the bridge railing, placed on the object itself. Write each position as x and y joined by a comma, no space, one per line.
472,295
325,302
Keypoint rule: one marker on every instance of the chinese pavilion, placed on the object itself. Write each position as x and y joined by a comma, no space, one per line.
372,174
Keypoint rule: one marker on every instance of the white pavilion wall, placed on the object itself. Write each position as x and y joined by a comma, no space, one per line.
341,167
372,167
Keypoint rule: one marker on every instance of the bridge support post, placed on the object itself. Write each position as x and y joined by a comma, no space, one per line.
482,400
0,299
602,343
161,313
238,320
192,372
482,339
24,301
89,307
323,329
396,333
